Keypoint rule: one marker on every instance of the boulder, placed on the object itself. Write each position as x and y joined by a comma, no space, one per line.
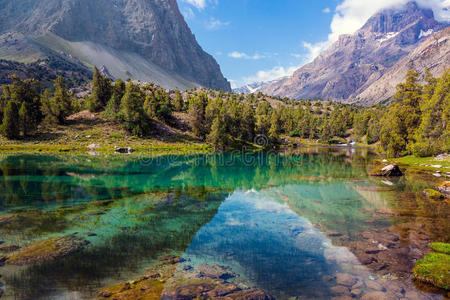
124,150
391,170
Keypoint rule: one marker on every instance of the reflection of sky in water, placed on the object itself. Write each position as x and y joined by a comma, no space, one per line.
269,245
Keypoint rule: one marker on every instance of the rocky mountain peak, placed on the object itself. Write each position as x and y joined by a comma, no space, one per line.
396,19
147,40
356,61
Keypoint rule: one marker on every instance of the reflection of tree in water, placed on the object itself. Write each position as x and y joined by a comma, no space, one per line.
158,230
31,178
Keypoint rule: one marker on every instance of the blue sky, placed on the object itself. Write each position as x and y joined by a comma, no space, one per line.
255,40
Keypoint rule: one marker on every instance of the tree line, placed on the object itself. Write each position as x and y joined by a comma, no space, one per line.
416,122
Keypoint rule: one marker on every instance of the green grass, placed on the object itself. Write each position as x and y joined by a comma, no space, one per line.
423,163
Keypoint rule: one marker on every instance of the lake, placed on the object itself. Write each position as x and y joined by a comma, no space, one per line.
310,224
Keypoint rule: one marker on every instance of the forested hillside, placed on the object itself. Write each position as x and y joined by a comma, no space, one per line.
416,123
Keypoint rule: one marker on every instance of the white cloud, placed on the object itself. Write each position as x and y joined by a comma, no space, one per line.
326,10
265,75
213,23
352,14
188,13
238,55
199,4
314,50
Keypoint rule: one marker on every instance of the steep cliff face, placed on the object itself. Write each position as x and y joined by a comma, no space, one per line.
355,62
138,39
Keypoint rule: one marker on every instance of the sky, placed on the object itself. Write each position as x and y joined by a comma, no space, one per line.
262,40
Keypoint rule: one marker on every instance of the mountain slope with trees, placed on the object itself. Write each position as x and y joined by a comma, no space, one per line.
417,122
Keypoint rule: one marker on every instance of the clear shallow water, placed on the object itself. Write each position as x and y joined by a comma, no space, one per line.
283,223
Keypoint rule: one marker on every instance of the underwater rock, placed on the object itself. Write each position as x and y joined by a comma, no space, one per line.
48,249
340,289
215,272
7,219
345,279
374,296
249,294
391,170
373,285
169,259
9,248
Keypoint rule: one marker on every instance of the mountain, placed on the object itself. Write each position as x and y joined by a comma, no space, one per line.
355,62
146,40
433,54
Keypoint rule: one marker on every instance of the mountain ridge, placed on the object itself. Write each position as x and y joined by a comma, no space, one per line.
146,40
356,61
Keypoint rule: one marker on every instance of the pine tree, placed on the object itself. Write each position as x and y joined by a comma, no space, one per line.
178,101
217,136
101,91
248,123
10,125
132,113
62,100
274,136
432,136
25,122
197,105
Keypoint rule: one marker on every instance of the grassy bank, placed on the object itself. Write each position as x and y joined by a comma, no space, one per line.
424,164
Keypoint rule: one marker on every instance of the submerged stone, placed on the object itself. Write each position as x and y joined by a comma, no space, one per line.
48,249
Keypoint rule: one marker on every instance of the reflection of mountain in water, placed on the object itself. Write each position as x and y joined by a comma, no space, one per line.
271,246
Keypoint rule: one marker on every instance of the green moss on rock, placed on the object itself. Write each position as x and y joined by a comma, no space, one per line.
441,248
433,194
434,269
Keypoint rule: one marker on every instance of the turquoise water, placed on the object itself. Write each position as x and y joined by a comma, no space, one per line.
271,218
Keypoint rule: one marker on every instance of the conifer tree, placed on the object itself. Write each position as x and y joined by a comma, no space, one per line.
217,136
10,125
248,123
25,122
274,136
178,101
132,113
101,91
